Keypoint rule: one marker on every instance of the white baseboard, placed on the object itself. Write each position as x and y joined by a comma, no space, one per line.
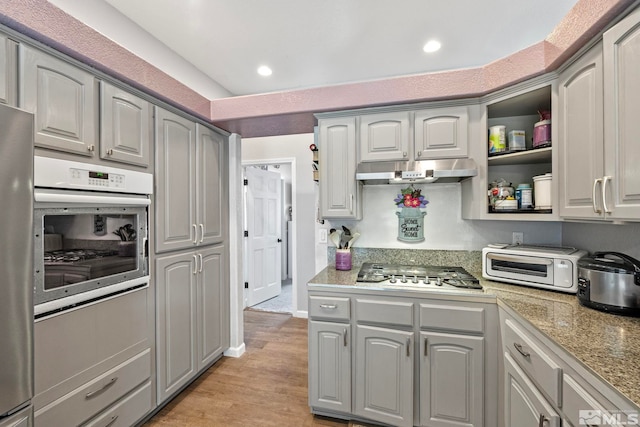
302,314
235,351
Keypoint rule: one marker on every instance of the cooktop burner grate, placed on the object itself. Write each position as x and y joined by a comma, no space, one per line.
428,275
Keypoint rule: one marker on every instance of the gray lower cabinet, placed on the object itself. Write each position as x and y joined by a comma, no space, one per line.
330,365
414,361
451,380
190,181
126,126
8,71
525,406
22,418
192,329
64,100
384,375
93,358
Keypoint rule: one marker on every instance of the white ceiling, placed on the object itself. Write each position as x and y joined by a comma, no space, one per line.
310,43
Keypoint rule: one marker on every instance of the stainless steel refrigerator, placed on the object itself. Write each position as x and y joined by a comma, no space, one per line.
16,260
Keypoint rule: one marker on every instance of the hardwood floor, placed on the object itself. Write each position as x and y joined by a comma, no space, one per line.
267,386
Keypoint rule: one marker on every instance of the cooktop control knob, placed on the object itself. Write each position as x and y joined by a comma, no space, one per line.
393,279
438,282
404,279
415,279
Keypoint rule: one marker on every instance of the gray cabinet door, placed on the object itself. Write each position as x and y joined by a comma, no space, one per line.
384,375
339,191
8,71
211,185
213,304
451,380
330,366
441,133
175,182
524,405
176,277
622,127
580,129
63,99
384,136
23,418
125,126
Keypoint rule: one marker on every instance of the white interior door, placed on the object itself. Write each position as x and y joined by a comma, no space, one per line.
263,221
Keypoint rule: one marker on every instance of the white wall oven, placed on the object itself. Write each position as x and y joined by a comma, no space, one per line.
90,232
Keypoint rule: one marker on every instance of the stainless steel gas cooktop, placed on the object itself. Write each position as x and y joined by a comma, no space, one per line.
436,277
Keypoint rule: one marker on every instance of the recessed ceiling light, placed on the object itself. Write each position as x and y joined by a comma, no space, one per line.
431,46
265,71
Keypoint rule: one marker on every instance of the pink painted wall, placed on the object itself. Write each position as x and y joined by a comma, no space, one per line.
291,112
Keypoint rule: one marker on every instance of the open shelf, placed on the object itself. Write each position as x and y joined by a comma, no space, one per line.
535,156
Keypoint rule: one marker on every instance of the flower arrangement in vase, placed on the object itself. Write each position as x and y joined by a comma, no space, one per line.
411,217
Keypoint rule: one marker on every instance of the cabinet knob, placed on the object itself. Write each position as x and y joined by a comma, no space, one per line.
404,154
110,152
419,153
91,148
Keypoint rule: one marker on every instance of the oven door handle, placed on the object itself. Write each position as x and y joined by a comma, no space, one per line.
43,195
521,259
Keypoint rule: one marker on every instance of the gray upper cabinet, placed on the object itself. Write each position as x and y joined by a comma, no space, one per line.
441,133
175,182
384,136
621,125
125,130
191,189
451,380
339,190
600,102
210,185
8,71
580,129
63,99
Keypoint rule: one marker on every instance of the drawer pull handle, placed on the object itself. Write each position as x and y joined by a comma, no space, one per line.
408,347
105,386
520,350
201,263
543,420
344,337
201,233
596,209
111,421
195,264
195,233
329,306
604,194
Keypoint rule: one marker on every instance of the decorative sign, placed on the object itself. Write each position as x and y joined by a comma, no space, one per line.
411,216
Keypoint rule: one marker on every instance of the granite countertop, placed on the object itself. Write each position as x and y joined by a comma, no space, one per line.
607,344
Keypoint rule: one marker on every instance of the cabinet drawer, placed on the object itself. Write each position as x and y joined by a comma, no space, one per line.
329,308
453,318
576,399
385,312
126,412
91,398
529,354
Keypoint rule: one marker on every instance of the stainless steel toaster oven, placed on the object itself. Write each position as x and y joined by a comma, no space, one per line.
546,267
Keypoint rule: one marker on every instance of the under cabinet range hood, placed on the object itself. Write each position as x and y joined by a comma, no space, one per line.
419,172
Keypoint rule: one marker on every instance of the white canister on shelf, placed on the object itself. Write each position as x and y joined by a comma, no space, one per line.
542,191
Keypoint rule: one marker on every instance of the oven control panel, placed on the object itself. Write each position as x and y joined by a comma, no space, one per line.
96,179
